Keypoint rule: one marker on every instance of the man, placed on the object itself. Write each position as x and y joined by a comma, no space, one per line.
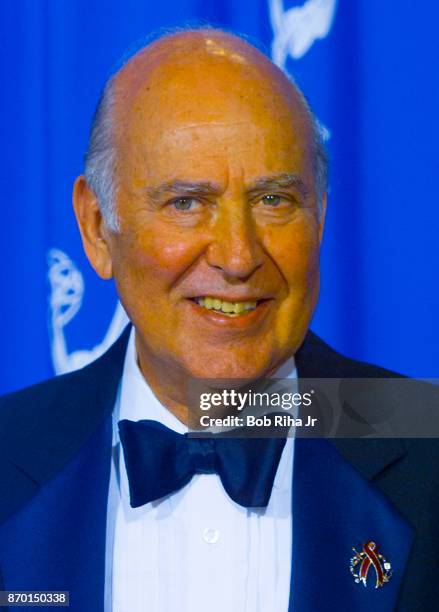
204,197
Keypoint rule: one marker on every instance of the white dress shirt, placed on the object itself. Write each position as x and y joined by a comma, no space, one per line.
196,549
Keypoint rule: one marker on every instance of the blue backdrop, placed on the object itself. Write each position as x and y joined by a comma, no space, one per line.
369,69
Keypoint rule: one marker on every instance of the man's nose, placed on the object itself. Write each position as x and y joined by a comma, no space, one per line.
235,248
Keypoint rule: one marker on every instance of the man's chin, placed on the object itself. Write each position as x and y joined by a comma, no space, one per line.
228,375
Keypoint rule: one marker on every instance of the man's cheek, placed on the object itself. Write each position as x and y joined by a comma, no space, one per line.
293,317
166,256
295,259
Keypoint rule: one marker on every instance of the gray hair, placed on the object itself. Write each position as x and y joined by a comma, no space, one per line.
101,156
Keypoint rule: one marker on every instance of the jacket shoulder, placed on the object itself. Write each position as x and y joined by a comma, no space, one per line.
45,426
51,398
26,406
38,393
316,359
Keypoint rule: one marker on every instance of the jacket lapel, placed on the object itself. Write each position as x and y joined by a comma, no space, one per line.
337,506
334,510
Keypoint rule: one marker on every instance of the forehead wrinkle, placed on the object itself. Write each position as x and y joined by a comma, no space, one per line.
207,124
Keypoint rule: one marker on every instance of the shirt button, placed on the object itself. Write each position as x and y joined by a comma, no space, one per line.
211,536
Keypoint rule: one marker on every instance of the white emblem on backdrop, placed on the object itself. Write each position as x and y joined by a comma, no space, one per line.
67,290
296,29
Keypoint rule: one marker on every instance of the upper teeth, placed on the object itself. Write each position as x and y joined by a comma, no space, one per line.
212,303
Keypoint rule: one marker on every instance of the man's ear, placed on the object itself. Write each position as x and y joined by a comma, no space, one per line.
322,216
92,227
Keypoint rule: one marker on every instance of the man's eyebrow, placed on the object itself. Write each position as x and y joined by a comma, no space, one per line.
186,187
285,180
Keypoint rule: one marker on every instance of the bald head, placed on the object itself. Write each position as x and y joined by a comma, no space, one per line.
204,78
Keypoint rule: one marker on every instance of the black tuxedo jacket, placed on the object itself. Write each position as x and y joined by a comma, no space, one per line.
55,453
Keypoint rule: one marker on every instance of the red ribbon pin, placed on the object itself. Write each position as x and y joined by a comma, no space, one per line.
362,562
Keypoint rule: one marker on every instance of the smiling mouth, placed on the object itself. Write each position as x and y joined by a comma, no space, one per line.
231,309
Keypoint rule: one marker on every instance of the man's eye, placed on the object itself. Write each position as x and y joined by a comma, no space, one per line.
185,204
272,200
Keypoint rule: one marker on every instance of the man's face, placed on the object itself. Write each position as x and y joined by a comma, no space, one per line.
216,260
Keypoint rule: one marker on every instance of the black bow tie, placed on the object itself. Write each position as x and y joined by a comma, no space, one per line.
160,461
